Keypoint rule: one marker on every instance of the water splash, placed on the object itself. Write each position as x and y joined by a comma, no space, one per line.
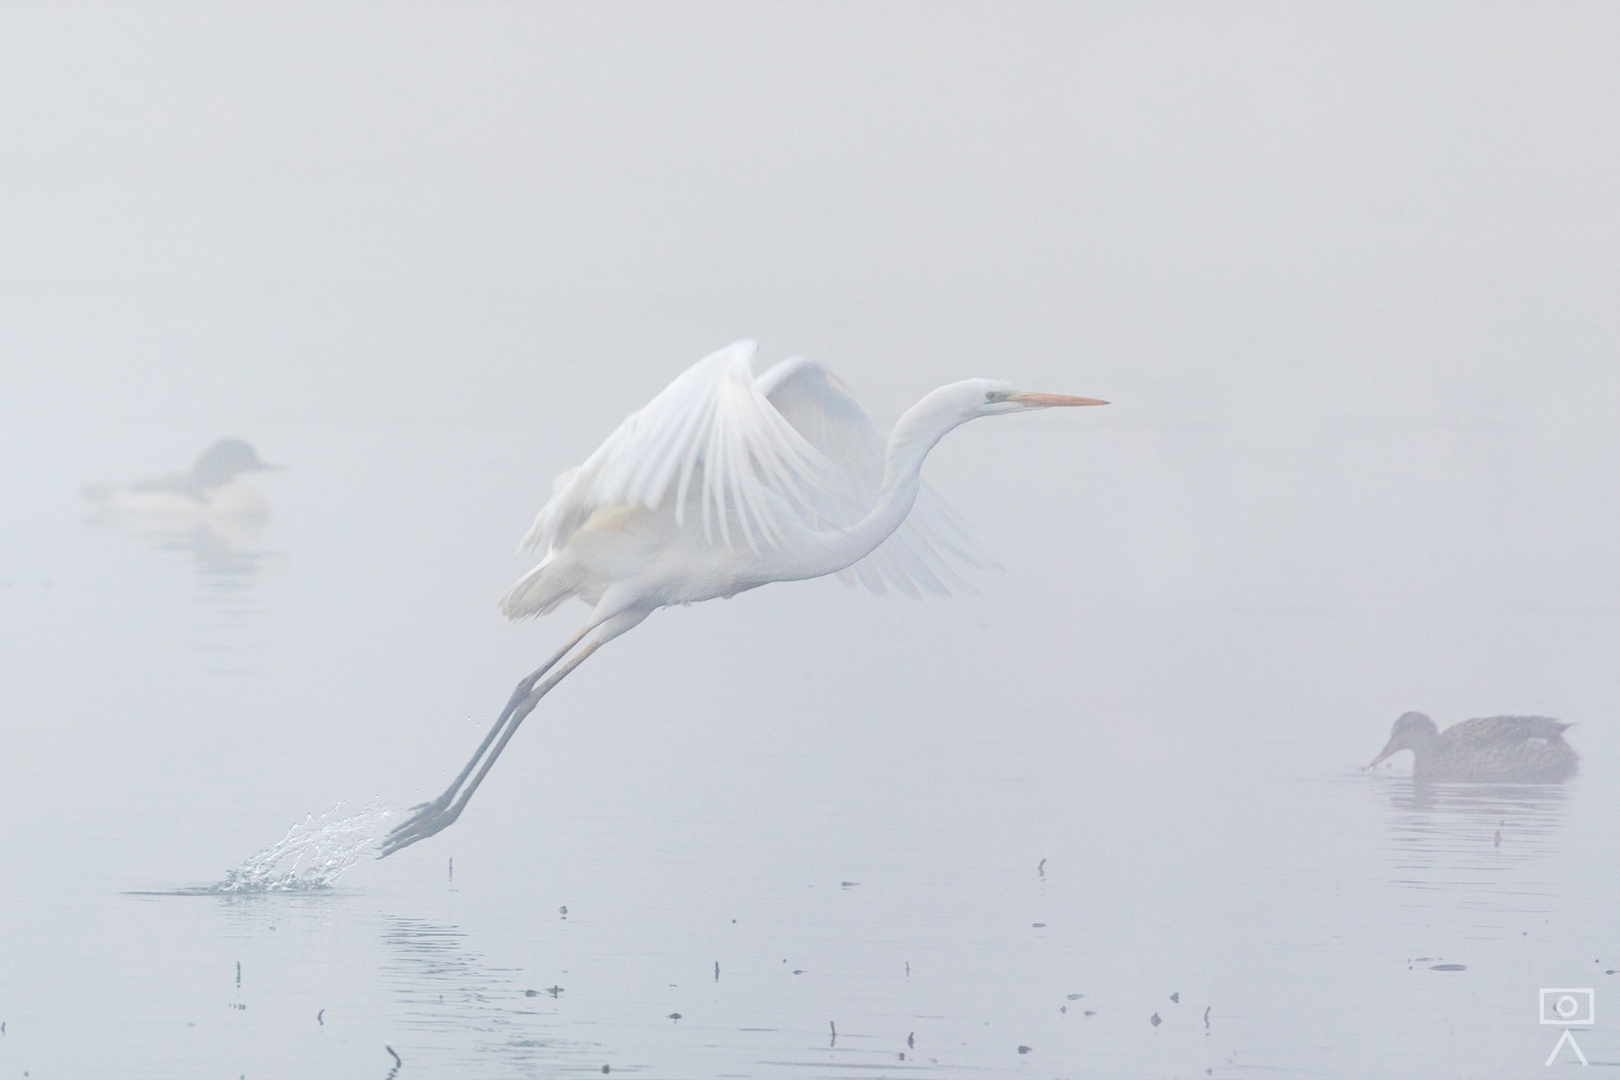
313,854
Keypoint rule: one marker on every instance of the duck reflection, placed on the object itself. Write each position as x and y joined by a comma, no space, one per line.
209,512
1490,842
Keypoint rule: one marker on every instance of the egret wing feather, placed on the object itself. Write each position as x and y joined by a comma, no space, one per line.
712,436
821,408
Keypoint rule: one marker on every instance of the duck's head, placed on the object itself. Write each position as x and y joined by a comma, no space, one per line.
1410,732
221,463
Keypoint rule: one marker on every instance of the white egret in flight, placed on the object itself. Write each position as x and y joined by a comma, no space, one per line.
724,482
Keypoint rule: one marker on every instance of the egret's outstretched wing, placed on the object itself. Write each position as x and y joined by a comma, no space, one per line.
822,410
712,444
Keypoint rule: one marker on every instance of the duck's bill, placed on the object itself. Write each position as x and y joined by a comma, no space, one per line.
1380,758
1047,401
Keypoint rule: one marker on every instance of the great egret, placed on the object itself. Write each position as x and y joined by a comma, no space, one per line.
724,482
210,489
1500,749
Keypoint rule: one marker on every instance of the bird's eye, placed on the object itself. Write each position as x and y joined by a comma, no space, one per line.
996,395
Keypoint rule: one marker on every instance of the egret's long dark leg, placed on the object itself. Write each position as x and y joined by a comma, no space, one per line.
442,812
519,694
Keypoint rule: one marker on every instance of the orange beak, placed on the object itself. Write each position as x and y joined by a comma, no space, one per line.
1046,401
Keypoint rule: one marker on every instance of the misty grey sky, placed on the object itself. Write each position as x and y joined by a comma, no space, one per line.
1279,215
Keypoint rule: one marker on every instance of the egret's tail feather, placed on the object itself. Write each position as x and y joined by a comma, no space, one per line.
536,593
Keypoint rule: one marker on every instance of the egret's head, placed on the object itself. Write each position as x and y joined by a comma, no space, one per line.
1411,731
993,397
224,460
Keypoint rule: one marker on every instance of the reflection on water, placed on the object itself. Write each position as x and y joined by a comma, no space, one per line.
459,1009
1483,844
224,551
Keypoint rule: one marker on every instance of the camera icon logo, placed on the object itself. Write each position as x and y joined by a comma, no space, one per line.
1567,1007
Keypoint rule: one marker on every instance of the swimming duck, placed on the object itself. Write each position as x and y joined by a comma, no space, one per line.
210,489
1499,749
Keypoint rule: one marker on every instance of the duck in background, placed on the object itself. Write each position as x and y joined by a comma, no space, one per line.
211,490
1492,749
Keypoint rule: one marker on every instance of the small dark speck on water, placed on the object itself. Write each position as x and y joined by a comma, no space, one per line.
834,1029
1076,997
1040,868
1064,1009
717,971
1154,1020
908,968
1609,971
674,1016
848,884
563,911
239,973
1206,1017
554,991
798,971
1038,925
452,868
606,1070
1498,842
1091,1012
1449,967
318,1018
911,1041
390,1049
1023,1049
1176,997
531,993
1424,960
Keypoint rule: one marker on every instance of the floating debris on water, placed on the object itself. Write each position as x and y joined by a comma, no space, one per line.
1449,967
1076,997
531,993
1154,1020
318,1019
911,1041
1206,1017
1176,997
674,1016
1023,1049
1040,868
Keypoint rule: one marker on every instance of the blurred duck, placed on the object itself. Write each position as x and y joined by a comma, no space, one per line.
1492,749
210,490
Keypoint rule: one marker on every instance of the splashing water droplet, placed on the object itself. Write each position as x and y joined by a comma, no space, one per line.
313,854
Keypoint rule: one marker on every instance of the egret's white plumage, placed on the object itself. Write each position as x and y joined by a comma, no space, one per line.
724,482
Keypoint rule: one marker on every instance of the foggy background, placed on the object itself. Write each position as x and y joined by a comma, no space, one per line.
1349,275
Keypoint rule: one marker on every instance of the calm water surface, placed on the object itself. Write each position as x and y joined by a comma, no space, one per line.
807,832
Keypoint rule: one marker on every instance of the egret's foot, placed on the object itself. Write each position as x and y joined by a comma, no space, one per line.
428,819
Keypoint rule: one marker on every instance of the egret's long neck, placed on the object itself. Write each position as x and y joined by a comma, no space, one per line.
915,434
